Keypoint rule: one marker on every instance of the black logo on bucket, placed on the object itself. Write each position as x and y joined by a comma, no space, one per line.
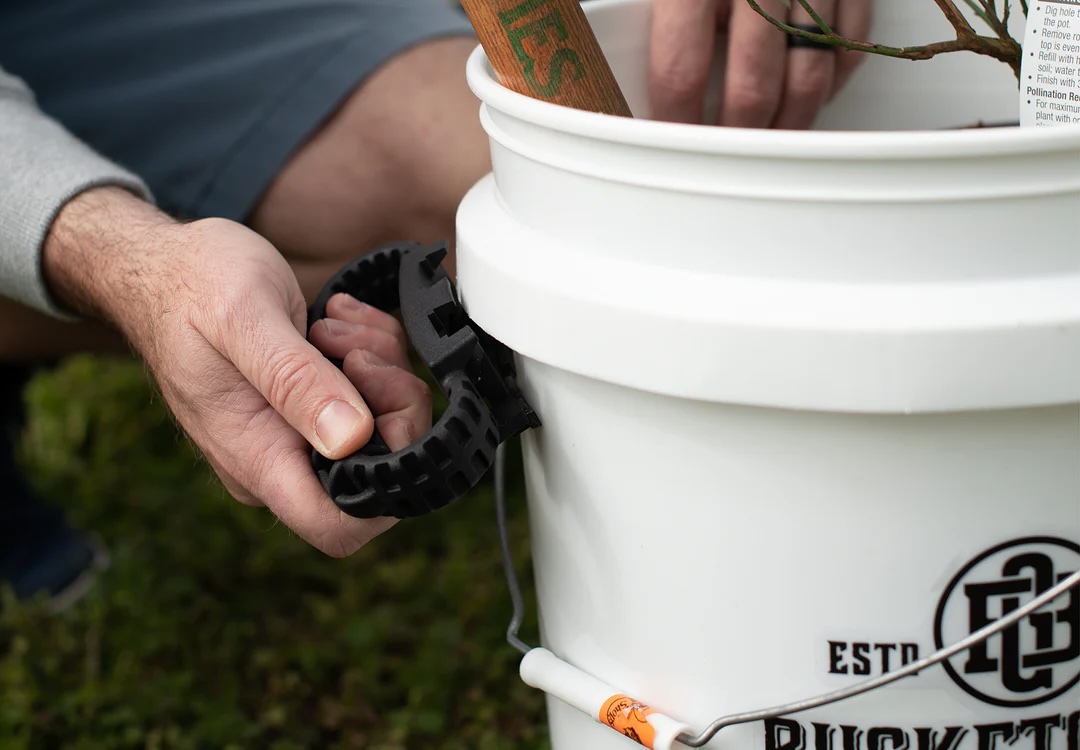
1038,658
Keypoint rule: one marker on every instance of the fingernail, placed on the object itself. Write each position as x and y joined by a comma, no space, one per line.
350,302
336,327
337,423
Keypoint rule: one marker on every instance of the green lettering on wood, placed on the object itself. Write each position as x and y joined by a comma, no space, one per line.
538,31
507,17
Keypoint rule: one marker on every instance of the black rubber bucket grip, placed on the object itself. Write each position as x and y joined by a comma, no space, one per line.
475,372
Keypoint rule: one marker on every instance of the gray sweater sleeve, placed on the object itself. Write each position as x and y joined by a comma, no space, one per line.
42,166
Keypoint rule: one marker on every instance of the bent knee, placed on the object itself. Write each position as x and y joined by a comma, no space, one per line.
391,164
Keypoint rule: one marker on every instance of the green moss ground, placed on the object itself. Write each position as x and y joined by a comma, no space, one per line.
217,628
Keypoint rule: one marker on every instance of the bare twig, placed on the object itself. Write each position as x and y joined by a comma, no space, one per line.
956,18
815,16
995,23
979,11
1003,48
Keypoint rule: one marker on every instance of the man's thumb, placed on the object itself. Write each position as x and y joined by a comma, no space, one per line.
307,390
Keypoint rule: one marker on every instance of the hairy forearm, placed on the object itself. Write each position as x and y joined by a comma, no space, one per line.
99,251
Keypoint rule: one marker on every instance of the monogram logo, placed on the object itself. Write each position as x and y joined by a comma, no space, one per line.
1032,661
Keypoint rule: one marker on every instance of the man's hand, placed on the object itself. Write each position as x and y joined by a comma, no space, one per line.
219,318
765,83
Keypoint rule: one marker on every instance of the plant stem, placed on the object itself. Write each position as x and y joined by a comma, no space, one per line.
1004,48
956,18
1000,28
978,10
815,16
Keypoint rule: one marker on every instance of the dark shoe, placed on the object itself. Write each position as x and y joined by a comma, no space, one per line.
39,552
63,568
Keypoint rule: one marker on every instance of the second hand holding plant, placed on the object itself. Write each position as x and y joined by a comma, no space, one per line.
1001,47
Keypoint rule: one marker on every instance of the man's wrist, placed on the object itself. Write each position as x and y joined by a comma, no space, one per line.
99,250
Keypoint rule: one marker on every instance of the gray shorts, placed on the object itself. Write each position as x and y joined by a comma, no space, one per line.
206,99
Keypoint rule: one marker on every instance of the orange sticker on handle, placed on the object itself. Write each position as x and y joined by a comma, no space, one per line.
626,716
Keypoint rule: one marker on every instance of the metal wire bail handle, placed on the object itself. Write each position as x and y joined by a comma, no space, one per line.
542,669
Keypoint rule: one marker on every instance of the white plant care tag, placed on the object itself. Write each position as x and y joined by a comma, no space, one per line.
1050,73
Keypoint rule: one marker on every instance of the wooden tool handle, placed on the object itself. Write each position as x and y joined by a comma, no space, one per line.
546,49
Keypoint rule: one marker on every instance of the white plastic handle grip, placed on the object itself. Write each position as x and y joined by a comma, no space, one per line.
545,671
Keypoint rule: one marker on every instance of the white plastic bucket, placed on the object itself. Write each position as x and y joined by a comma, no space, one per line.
811,400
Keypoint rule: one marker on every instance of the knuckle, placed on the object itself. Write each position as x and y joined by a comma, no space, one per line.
811,83
212,225
752,100
678,79
228,306
289,377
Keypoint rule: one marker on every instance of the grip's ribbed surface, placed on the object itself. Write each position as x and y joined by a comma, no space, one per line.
460,448
443,465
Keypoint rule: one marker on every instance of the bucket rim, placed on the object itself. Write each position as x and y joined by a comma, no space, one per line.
786,144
